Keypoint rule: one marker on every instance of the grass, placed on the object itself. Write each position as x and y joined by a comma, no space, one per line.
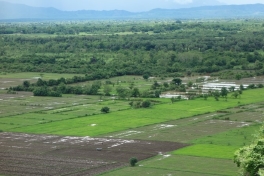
35,75
127,119
208,150
15,104
179,165
30,119
115,121
181,130
235,137
246,116
192,121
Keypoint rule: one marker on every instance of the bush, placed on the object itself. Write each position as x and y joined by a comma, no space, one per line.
105,110
133,161
146,104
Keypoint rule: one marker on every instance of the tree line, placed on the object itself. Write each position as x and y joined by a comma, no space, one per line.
110,50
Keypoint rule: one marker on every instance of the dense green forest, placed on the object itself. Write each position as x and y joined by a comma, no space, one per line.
105,49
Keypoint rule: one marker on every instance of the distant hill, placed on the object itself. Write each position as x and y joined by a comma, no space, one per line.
208,12
20,11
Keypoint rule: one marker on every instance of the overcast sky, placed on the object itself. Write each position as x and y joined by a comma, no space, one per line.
130,5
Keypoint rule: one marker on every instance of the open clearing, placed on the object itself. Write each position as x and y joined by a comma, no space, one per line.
25,154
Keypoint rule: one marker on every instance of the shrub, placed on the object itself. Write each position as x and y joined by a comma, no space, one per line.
133,161
105,110
146,104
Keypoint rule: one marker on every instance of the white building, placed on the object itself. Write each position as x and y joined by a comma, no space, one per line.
218,86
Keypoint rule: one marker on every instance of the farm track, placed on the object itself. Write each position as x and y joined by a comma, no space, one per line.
28,154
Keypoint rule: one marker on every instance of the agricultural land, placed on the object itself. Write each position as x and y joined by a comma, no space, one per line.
83,97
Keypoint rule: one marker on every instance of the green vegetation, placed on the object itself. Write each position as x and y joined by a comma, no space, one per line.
105,109
180,165
122,120
133,161
90,68
36,75
208,150
107,49
236,137
250,158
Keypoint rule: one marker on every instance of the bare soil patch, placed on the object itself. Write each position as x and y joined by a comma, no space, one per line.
27,154
12,82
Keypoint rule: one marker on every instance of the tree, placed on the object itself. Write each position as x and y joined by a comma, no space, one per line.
224,92
131,103
165,84
157,93
146,76
216,95
232,88
241,87
26,84
173,99
78,90
258,65
205,96
251,86
107,90
41,91
190,95
260,85
238,76
177,81
135,92
146,104
40,82
235,94
122,92
133,161
251,158
155,85
190,84
189,73
105,109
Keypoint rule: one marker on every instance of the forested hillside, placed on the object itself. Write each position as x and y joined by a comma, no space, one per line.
113,48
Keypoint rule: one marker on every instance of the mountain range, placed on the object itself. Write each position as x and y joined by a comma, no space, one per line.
10,11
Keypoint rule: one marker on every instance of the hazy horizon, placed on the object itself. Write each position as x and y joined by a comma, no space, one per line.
129,5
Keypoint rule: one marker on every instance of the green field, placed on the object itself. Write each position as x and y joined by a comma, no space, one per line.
36,75
214,128
132,118
144,58
208,150
180,165
235,137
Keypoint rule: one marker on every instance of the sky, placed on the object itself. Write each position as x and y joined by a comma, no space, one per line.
129,5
